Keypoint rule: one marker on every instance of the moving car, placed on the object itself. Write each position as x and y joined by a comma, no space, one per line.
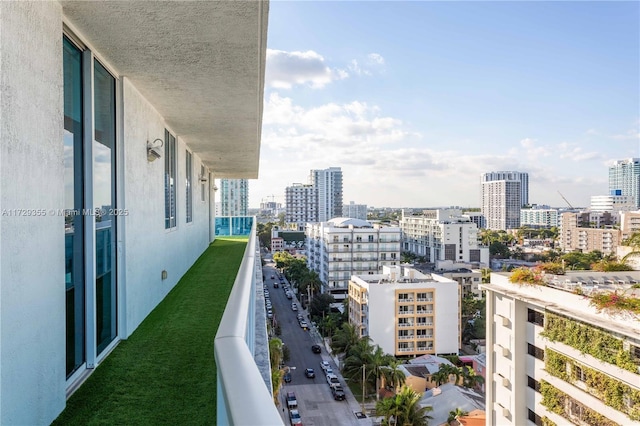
316,349
310,373
338,393
294,417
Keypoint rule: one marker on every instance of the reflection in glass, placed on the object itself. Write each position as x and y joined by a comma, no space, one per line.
169,180
73,203
189,193
103,200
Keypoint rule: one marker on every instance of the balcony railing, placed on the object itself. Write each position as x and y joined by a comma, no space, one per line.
240,383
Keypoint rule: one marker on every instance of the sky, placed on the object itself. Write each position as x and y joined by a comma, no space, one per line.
414,100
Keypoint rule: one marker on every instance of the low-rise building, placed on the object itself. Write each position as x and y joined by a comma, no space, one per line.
405,312
555,356
443,235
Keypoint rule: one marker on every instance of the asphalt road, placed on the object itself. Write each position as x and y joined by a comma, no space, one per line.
315,402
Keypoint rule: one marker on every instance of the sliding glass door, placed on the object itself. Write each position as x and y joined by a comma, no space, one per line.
90,225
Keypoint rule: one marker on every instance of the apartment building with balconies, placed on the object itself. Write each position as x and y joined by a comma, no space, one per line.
301,205
575,233
116,118
405,312
343,247
443,235
555,357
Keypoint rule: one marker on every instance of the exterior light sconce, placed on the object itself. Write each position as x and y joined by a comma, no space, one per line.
202,178
154,150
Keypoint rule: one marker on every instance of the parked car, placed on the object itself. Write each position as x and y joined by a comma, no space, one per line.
338,393
289,295
304,325
287,377
294,306
316,349
329,370
310,373
294,417
332,380
324,365
292,402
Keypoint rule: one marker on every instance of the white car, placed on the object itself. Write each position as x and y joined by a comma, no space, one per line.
324,365
332,379
294,307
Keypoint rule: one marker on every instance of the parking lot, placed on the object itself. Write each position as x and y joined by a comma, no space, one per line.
315,400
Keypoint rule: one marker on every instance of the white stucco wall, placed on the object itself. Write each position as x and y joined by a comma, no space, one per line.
32,296
148,247
32,251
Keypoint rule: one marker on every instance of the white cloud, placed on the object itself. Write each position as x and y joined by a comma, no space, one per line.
375,58
286,69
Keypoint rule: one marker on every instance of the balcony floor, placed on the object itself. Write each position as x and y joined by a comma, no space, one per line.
165,373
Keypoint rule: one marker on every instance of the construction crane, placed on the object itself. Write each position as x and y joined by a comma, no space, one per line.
565,200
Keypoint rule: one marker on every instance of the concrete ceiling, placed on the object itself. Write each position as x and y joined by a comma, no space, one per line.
200,63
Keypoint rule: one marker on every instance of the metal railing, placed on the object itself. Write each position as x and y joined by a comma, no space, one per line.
239,383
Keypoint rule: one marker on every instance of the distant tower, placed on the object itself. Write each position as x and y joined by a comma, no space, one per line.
234,197
501,203
521,177
624,179
328,185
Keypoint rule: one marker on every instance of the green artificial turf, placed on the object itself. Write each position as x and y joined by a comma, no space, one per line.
165,373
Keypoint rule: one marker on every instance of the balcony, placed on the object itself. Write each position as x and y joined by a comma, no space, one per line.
167,372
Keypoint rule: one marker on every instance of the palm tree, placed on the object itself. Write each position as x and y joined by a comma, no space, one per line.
344,338
469,377
358,355
378,361
456,414
443,375
393,375
410,413
389,409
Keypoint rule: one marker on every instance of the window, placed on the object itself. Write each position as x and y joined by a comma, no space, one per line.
370,238
534,418
533,384
535,317
535,351
578,373
403,297
188,183
169,180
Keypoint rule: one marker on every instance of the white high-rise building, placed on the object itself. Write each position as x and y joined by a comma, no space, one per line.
612,203
355,211
406,312
328,184
234,197
553,357
343,247
501,203
301,205
624,178
522,177
443,234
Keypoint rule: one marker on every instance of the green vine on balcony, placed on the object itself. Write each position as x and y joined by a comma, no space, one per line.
613,302
558,402
546,421
588,339
612,392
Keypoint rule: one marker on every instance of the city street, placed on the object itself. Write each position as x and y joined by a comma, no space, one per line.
315,402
